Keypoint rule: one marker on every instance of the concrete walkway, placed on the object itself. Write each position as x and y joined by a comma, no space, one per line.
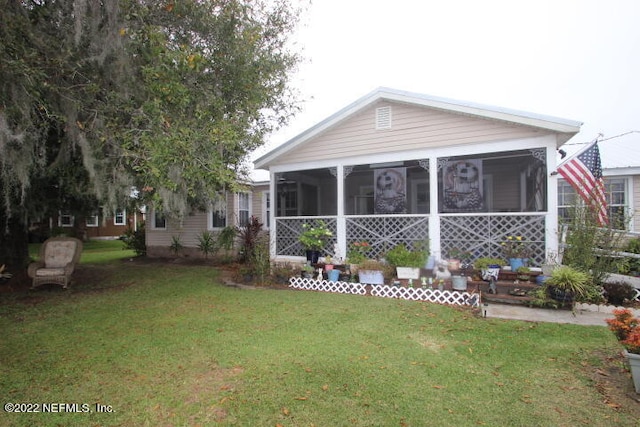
520,312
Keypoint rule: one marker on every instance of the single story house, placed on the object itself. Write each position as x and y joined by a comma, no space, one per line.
398,167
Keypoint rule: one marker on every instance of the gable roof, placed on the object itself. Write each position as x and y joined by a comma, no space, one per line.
563,127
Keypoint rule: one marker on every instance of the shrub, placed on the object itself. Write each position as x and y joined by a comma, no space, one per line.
207,243
176,245
136,240
248,238
619,291
624,325
401,256
584,234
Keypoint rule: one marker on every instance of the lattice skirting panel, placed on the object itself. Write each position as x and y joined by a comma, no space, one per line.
385,232
483,235
415,294
289,229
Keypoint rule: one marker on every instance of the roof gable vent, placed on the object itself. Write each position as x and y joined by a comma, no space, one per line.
383,118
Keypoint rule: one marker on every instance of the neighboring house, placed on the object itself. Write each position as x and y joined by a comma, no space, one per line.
620,158
101,225
235,210
397,167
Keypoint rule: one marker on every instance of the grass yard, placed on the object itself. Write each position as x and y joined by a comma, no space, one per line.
166,344
95,251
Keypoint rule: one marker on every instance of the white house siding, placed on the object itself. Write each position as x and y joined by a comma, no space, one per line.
188,229
256,201
413,127
158,240
635,199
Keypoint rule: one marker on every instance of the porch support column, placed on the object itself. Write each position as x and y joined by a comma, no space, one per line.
551,220
272,215
434,217
341,223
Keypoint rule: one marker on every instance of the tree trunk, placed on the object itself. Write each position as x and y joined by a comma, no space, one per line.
14,249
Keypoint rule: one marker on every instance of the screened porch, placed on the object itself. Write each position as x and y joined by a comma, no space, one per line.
468,202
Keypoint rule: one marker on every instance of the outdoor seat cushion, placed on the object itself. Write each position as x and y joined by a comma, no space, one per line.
59,254
49,272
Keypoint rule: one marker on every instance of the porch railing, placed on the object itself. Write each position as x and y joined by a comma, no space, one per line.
480,234
288,230
483,235
382,232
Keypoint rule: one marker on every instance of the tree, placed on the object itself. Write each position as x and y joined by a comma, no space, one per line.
167,97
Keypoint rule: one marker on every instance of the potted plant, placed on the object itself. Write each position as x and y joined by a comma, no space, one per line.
626,328
458,258
516,251
407,262
523,273
357,252
307,271
483,263
371,272
489,269
314,238
567,283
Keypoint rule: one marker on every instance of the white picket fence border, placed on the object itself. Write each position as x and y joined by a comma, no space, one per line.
385,291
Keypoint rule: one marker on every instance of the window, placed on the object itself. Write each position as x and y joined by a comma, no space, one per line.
119,217
243,209
566,198
617,200
92,220
159,221
218,214
65,220
266,209
615,189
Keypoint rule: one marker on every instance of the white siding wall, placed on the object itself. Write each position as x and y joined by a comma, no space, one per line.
412,127
256,202
636,203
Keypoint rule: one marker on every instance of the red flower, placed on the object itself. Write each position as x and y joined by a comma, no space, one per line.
623,324
632,343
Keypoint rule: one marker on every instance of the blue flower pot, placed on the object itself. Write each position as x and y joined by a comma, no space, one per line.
334,275
516,263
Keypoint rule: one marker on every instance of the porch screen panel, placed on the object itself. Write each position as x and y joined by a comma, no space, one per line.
508,181
387,188
310,192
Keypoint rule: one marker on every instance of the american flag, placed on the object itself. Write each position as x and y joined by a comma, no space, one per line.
584,172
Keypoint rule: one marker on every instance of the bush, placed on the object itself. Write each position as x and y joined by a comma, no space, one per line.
136,240
248,238
587,242
401,256
207,243
617,292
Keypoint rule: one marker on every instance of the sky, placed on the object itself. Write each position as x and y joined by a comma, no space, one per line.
573,59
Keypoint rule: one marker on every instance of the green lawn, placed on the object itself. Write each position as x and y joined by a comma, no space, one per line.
168,345
95,251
